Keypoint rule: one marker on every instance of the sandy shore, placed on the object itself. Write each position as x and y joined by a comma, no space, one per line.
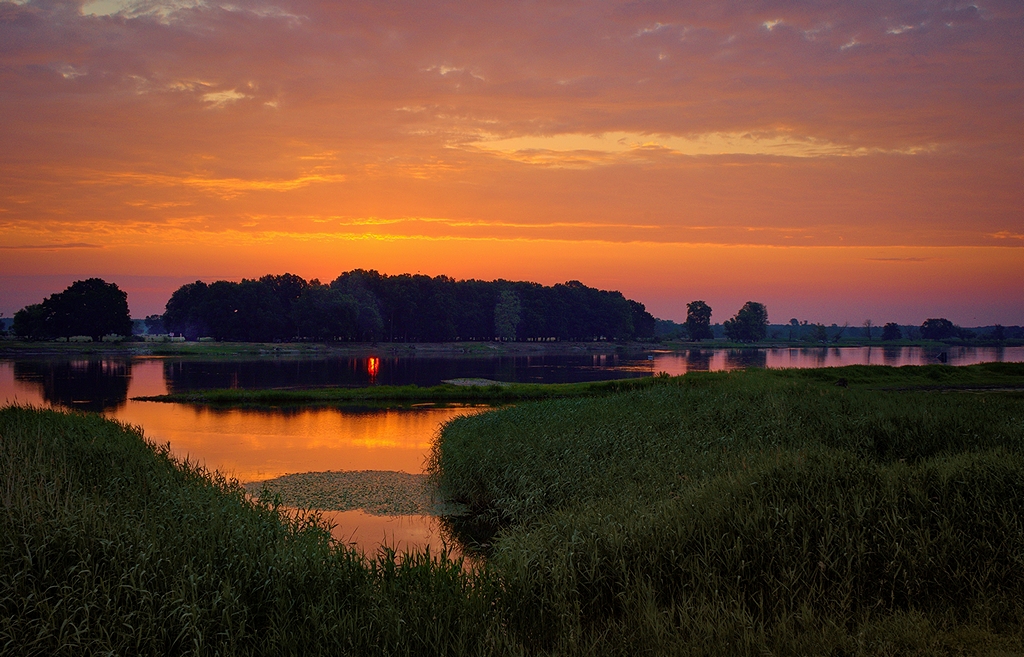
378,492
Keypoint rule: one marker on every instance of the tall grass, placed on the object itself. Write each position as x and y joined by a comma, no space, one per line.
721,514
754,512
110,546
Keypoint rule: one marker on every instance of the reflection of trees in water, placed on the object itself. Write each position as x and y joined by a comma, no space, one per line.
812,357
88,385
743,358
698,360
186,375
892,356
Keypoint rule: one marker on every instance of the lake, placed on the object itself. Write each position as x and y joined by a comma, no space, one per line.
256,445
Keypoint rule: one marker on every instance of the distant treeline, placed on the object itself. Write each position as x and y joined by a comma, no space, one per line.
803,331
365,305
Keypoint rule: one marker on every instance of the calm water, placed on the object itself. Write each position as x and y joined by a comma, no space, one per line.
257,445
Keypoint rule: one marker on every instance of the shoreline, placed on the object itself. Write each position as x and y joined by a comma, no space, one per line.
132,349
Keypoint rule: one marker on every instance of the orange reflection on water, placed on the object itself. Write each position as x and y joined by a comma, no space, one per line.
368,533
372,367
255,445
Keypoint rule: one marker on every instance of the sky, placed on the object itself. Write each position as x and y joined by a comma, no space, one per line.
836,161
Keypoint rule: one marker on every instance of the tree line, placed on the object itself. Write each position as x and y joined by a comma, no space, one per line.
750,324
363,305
91,307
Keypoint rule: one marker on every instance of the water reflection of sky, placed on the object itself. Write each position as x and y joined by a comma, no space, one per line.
247,444
255,445
716,360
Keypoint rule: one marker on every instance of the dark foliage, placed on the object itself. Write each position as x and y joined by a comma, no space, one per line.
154,324
938,329
91,307
750,324
698,321
369,306
891,331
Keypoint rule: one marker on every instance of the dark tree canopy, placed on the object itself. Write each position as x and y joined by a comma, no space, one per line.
698,321
938,329
749,325
91,307
365,305
154,324
891,331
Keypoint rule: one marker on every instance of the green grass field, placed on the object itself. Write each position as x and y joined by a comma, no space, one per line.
856,511
757,512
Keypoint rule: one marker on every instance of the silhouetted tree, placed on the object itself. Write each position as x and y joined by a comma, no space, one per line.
698,321
750,324
91,307
506,315
366,305
867,328
998,333
938,329
30,322
891,331
323,313
186,309
818,333
155,324
643,321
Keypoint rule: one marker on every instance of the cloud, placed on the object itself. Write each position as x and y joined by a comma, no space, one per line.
1007,235
221,98
907,259
49,247
505,117
773,143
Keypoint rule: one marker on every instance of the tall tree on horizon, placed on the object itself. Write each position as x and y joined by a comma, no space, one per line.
90,307
750,324
698,321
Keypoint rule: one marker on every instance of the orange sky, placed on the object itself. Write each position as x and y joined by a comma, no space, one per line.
836,161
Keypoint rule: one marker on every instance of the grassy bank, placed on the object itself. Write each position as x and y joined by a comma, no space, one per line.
498,393
758,512
109,546
845,512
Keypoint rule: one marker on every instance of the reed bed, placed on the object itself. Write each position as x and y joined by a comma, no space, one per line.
838,512
110,546
755,512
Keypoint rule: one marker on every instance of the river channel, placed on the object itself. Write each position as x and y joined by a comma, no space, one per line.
254,446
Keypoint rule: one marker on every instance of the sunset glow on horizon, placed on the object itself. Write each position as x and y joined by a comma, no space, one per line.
837,162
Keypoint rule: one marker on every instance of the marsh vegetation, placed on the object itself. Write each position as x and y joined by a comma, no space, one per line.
858,510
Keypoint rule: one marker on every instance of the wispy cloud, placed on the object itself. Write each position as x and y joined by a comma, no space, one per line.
867,123
905,259
49,247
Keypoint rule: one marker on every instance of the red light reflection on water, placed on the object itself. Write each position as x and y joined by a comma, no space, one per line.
372,368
